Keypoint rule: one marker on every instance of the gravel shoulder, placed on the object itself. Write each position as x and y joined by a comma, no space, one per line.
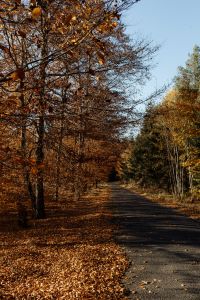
162,246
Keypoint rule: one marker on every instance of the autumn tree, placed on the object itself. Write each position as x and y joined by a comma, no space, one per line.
170,125
187,85
166,152
64,66
181,118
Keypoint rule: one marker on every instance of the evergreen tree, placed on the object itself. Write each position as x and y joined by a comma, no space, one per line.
149,159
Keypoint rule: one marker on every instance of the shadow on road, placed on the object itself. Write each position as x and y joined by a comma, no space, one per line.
162,247
143,222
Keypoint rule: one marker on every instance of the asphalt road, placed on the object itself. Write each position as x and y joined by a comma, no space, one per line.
163,248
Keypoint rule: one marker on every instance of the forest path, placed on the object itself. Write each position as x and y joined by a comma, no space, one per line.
163,248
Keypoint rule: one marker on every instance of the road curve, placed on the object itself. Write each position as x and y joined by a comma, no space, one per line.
163,248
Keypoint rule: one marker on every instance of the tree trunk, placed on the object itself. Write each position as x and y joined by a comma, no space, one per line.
59,155
40,209
26,171
24,150
190,175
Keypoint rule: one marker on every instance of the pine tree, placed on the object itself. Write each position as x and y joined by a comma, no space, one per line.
149,158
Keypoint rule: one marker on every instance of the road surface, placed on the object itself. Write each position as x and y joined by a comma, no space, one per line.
163,248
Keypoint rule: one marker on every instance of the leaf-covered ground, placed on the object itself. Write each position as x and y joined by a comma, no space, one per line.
69,255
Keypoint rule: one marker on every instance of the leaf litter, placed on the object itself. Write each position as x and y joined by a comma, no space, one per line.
69,255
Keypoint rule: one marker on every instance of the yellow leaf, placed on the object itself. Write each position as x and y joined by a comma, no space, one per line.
73,18
69,19
34,171
101,58
101,61
36,12
32,161
61,30
18,74
14,76
114,24
74,41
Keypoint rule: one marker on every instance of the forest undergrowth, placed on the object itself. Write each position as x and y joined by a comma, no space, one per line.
68,255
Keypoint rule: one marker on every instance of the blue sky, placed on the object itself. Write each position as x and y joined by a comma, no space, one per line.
173,24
